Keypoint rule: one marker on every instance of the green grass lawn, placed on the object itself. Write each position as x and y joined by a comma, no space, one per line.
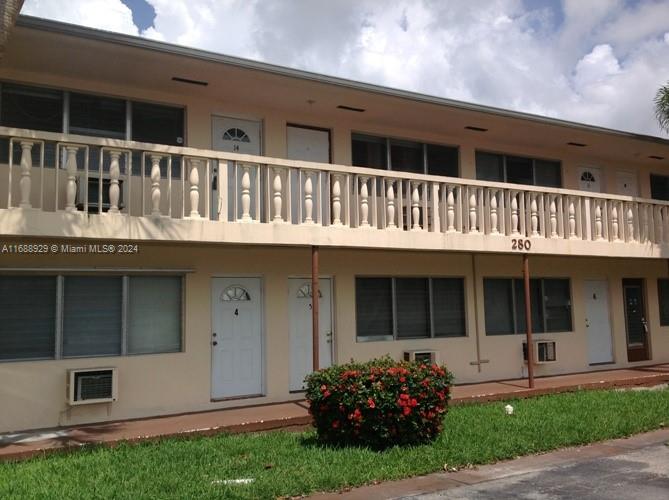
285,463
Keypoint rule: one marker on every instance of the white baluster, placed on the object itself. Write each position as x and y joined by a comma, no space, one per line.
598,220
114,188
665,224
336,200
630,222
26,171
71,184
450,210
572,218
472,211
390,204
646,216
514,213
308,198
246,194
659,236
493,212
614,221
277,195
194,189
155,185
534,215
415,206
552,209
364,202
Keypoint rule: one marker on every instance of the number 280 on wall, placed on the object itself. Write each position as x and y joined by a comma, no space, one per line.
520,244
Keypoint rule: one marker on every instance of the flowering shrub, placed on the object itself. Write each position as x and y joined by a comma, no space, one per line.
379,403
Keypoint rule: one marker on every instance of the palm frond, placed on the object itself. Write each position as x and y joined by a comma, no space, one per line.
662,106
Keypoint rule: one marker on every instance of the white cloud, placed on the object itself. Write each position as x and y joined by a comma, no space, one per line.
111,15
598,62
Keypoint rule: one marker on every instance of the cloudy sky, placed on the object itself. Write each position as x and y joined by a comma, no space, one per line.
592,61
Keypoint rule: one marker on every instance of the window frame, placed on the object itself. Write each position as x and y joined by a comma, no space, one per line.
125,280
533,159
430,298
514,301
66,92
665,177
389,140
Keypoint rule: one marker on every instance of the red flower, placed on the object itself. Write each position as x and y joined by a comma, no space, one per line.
335,424
413,403
404,396
326,394
402,379
406,410
371,403
324,388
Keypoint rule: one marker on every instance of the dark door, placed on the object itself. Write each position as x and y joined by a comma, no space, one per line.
635,319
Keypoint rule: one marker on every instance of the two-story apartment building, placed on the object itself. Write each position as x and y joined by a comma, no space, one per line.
159,207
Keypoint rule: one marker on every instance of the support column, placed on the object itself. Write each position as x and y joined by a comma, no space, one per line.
528,321
314,307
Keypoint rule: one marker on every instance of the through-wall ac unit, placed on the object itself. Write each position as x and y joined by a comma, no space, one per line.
422,356
91,385
544,352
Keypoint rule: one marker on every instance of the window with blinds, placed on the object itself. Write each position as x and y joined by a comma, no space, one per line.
504,303
518,169
28,312
88,316
409,308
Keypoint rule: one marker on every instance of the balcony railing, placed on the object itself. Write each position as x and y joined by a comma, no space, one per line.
94,177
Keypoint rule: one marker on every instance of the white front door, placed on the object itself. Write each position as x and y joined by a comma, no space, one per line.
590,179
627,183
308,144
301,360
236,354
597,321
235,135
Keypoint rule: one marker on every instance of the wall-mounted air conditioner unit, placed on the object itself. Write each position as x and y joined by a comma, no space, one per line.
422,356
91,385
544,352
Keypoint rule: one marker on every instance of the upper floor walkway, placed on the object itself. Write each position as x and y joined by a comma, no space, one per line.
51,185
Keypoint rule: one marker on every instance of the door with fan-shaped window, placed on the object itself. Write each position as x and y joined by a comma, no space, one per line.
236,135
590,179
301,328
236,339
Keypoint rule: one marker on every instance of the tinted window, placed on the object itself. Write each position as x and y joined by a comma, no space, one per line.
659,187
374,307
32,108
369,151
536,300
407,156
547,173
663,298
448,307
157,124
557,305
498,303
442,160
413,309
97,116
519,170
489,167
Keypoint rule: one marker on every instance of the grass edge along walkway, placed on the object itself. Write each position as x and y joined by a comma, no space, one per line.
285,464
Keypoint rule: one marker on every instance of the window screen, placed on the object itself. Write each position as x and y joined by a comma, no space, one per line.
369,151
154,314
31,107
659,187
97,116
413,307
442,160
92,315
536,301
28,317
519,170
498,303
406,156
557,305
489,167
448,307
374,307
157,124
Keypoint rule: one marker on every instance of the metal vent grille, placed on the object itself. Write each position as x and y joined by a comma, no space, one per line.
93,385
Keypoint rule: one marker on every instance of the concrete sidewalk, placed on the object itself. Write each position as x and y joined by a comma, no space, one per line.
634,468
291,414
